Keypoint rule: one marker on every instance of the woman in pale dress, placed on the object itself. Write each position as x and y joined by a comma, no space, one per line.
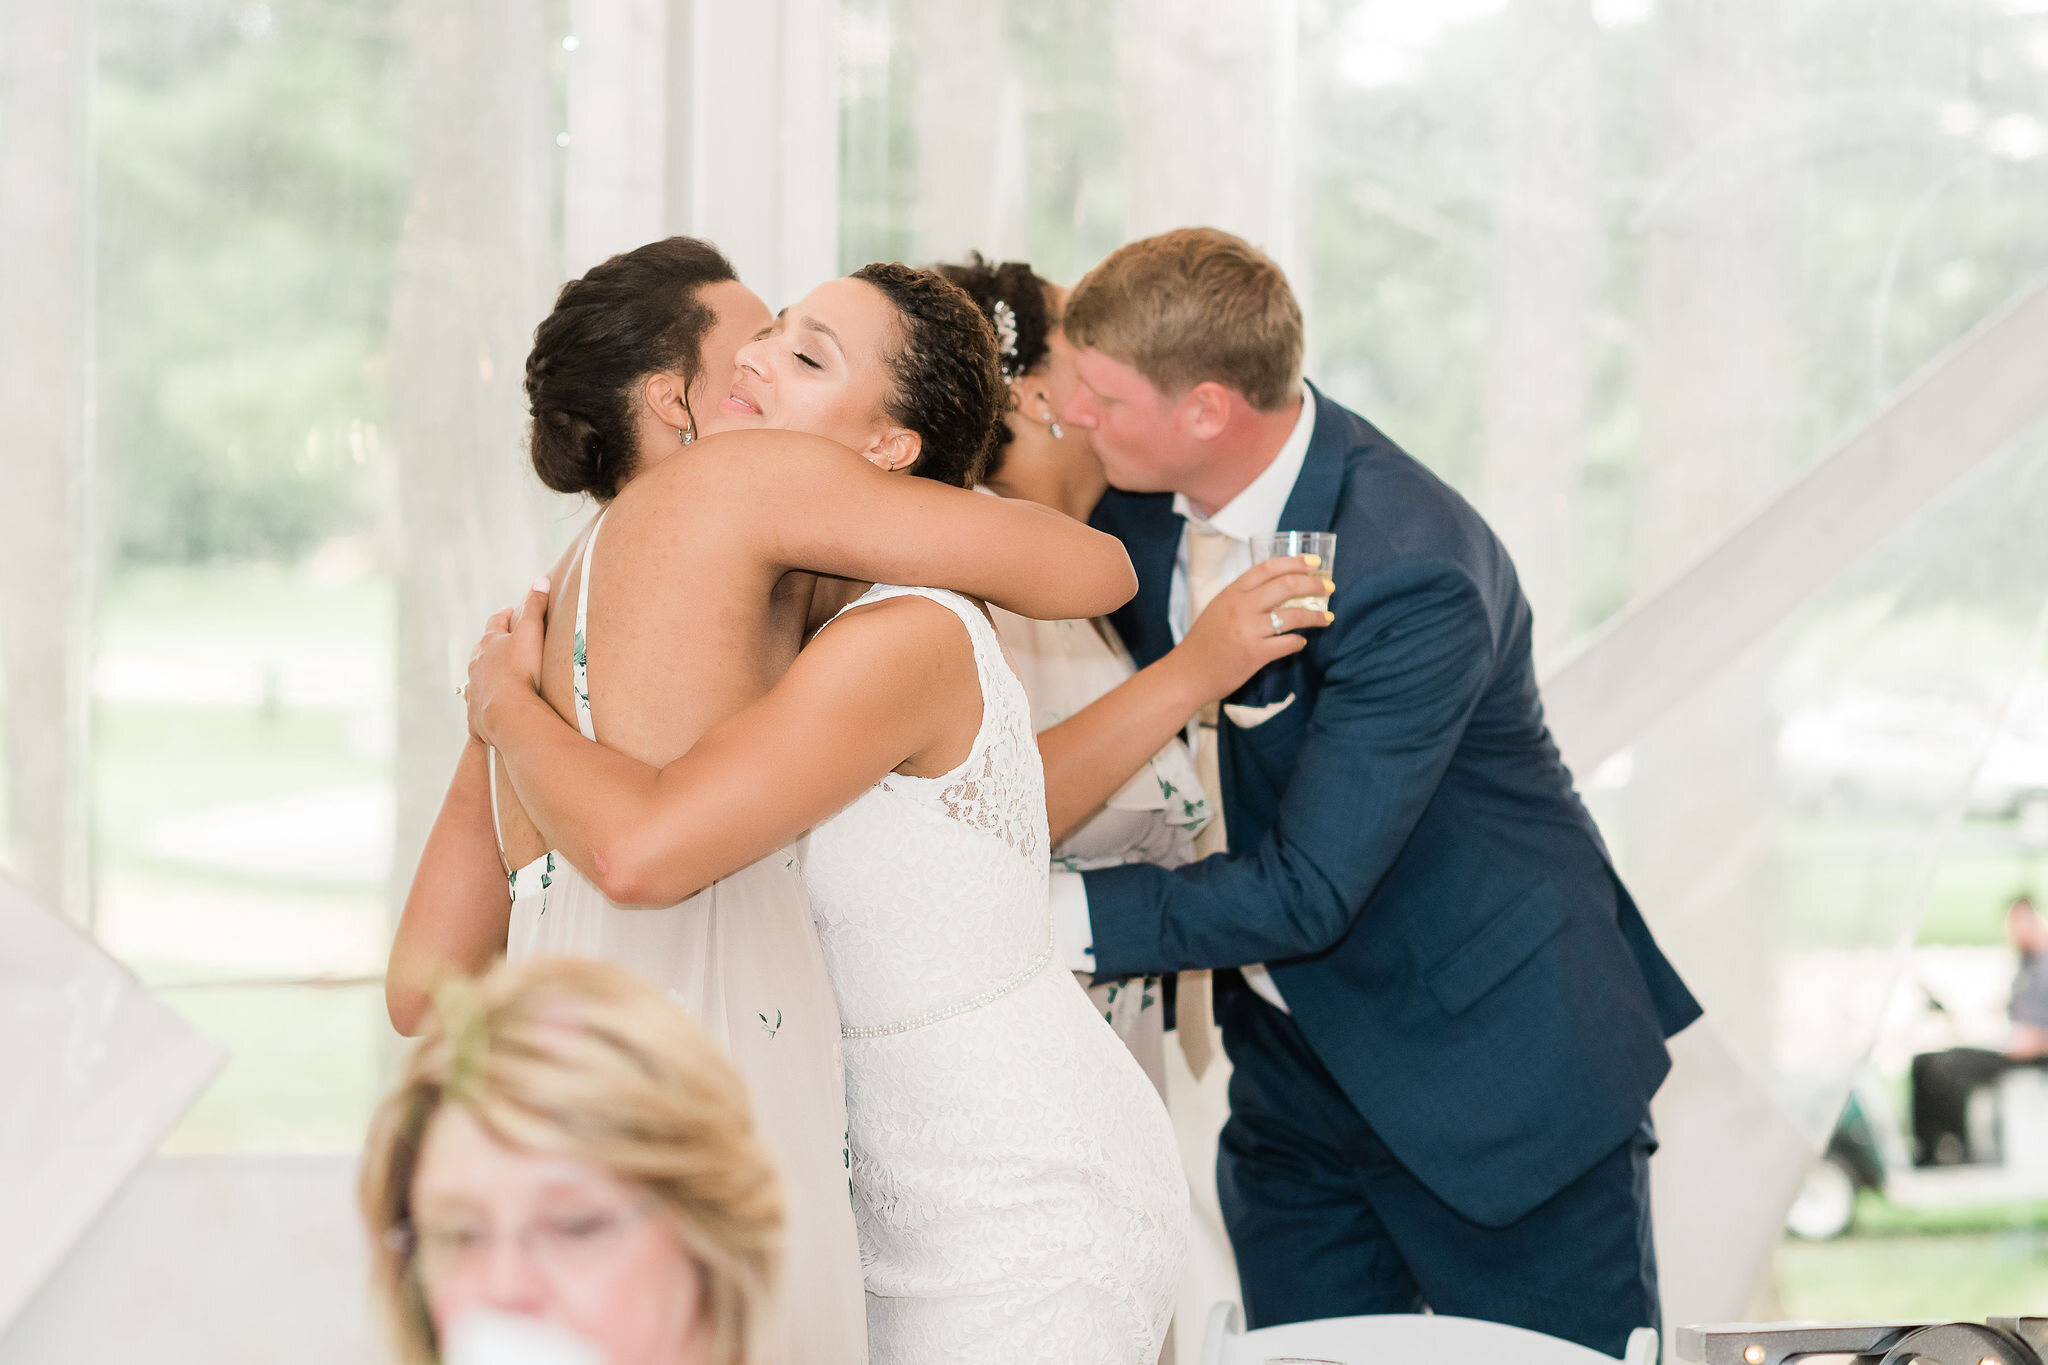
1018,1192
691,607
1120,783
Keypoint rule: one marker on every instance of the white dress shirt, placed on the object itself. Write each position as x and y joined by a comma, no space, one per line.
1257,509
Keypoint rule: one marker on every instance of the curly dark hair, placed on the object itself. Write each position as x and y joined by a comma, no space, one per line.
1030,299
946,385
633,315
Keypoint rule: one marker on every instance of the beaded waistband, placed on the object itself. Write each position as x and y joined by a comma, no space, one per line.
958,1008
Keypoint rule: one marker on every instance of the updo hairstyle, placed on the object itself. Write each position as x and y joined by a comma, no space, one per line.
944,381
635,315
1030,302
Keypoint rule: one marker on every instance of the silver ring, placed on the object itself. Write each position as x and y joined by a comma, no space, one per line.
1279,626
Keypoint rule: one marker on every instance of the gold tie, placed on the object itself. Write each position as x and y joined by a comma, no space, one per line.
1194,1016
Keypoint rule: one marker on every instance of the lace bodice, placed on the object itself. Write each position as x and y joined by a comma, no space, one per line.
930,891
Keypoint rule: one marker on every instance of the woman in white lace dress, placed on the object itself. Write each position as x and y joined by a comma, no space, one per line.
1017,1190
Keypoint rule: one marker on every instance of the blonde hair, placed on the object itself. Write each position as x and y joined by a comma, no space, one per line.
584,1061
1192,305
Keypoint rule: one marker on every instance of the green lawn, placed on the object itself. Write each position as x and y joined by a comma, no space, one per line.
1970,894
306,1068
306,1063
1955,1264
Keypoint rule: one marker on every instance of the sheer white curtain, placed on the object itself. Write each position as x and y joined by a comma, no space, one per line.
1620,269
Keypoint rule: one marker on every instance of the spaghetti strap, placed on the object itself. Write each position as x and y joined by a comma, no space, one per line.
497,821
579,676
579,684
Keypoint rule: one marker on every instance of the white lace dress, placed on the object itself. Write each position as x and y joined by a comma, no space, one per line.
1017,1189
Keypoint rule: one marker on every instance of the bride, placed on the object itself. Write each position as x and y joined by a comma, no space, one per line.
1017,1190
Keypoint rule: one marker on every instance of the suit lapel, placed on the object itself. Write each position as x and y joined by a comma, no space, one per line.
1312,506
1145,523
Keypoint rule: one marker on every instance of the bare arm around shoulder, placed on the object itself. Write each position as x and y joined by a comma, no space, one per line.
886,685
816,505
458,908
1093,752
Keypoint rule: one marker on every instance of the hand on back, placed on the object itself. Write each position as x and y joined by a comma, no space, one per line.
507,659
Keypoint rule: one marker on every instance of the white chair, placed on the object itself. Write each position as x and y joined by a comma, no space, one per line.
1404,1339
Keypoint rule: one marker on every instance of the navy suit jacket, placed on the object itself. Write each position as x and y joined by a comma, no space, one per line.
1408,855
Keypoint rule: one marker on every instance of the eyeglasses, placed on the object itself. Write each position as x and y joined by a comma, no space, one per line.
563,1246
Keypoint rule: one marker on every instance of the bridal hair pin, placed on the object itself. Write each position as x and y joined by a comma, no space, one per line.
1006,337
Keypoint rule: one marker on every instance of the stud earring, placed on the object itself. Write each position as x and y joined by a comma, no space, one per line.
1052,423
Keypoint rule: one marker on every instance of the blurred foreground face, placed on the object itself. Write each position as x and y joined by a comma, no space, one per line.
547,1238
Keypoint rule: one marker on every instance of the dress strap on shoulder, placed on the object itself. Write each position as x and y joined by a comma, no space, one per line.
981,632
579,668
497,821
977,624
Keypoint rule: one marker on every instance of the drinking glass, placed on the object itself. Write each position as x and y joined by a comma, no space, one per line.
1275,544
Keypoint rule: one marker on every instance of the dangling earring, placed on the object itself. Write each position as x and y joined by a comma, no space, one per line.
1052,423
686,437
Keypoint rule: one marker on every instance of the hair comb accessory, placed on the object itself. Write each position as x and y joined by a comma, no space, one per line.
1005,318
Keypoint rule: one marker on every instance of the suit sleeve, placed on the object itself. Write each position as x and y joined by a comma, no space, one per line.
1401,679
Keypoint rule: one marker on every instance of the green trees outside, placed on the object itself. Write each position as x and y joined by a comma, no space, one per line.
1865,174
251,162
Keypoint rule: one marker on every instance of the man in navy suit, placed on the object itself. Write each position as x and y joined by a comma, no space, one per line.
1445,1016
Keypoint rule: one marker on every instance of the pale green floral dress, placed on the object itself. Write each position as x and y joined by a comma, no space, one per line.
1153,818
742,956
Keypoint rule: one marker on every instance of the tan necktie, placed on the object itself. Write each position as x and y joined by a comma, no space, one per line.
1194,1017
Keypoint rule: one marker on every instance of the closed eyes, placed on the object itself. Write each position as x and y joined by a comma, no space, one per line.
807,360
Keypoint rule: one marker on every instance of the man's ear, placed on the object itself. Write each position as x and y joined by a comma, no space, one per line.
1205,410
896,448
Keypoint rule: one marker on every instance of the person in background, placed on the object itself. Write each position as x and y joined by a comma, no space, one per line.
2028,1008
568,1149
1943,1082
1120,783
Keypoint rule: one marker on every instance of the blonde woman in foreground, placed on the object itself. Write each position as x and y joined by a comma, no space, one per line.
568,1148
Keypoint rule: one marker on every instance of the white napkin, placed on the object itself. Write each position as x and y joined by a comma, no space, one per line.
488,1338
